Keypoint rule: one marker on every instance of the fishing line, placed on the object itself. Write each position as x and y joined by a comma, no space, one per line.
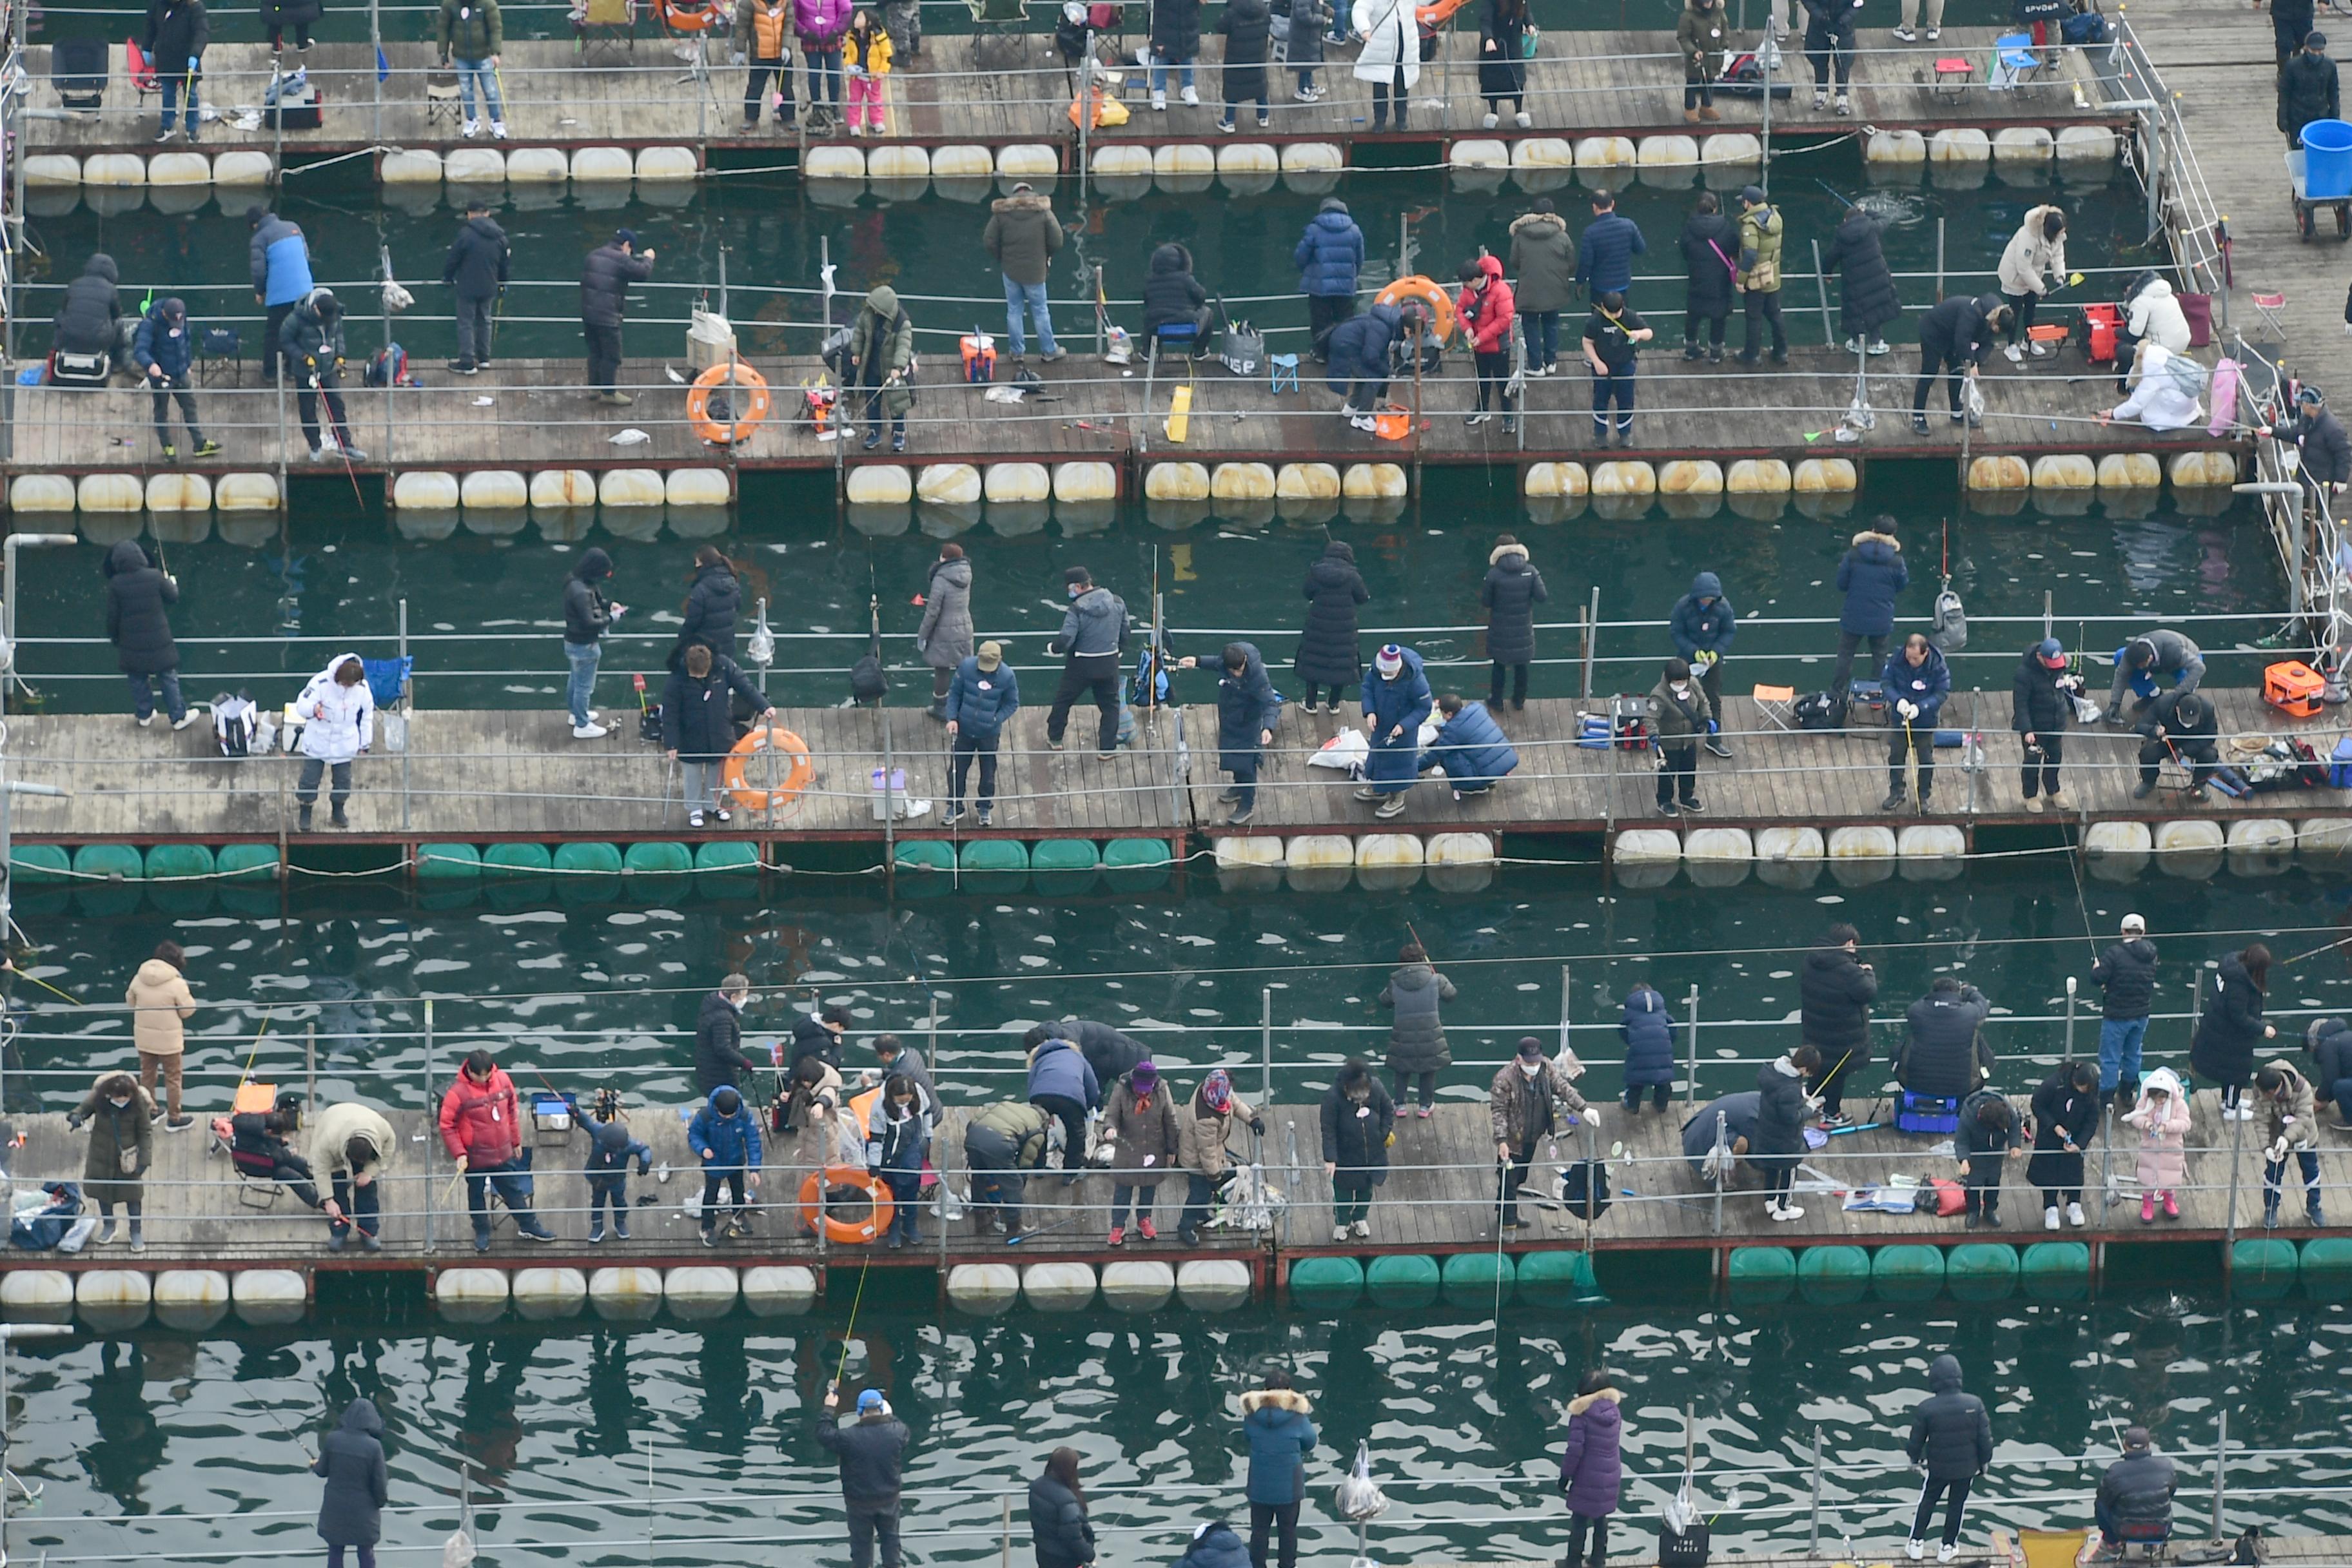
843,1366
47,987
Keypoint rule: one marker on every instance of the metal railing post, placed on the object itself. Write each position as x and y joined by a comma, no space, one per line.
1592,641
405,748
1821,287
2072,986
2221,1468
1722,1158
1691,1098
429,1122
1813,1525
1266,1044
1939,260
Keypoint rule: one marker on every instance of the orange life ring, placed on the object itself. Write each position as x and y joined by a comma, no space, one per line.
687,15
746,419
1440,304
841,1231
796,942
797,777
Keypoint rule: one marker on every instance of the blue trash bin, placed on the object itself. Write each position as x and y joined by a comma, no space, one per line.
2326,161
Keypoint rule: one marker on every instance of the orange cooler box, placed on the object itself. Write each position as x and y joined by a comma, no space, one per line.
2293,688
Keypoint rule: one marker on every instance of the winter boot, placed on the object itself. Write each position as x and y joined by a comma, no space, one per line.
2270,1211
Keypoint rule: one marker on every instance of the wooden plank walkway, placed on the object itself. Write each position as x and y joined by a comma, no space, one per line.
1014,89
530,415
1439,1198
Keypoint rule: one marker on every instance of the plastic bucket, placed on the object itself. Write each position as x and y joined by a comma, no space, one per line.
2326,159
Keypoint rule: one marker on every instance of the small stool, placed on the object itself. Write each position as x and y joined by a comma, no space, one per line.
1284,368
1954,73
1778,703
441,105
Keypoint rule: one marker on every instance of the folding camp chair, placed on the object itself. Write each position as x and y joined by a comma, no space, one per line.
997,20
77,70
140,70
1778,703
387,679
611,22
1955,74
2014,64
2052,1547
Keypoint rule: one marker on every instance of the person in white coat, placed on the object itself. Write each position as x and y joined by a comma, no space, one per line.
1391,60
2032,265
336,713
2152,314
2161,400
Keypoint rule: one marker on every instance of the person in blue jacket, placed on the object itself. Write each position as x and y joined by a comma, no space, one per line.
726,1135
1604,258
1330,254
1246,710
1396,702
163,349
1649,1035
280,262
1703,624
610,1150
983,696
1869,577
1470,746
1063,1085
897,1138
1274,1420
1917,680
1359,351
1214,1545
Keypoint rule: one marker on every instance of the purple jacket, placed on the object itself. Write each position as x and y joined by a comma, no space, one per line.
1590,1471
821,20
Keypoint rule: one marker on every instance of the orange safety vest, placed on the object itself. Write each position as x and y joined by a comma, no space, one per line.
768,24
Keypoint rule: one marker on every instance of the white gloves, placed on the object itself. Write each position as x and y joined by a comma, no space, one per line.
1908,710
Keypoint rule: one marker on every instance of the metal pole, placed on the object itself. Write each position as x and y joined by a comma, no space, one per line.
1813,1526
939,1071
1769,54
1592,641
310,1067
2237,1148
1821,286
1564,995
2221,1468
1939,260
429,1121
405,748
1086,118
2045,612
1722,1160
1266,1046
2072,985
1004,1529
1691,1097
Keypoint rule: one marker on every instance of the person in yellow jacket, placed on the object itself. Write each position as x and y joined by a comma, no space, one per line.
1758,275
161,1003
865,58
765,27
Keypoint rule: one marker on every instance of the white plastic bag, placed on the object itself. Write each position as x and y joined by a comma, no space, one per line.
1345,751
1358,1497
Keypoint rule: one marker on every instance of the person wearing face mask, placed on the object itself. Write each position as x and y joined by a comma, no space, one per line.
1679,715
1523,1105
719,1058
897,1140
1358,1125
1916,681
122,1144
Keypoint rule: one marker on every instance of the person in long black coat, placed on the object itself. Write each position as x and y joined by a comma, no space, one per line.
712,605
2229,1028
1512,591
2041,709
699,724
139,627
1502,58
351,1509
1359,1118
1330,652
1175,41
1247,26
2065,1112
1778,1140
1710,248
1867,301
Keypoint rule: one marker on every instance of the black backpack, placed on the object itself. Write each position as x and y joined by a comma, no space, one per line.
1584,1188
1819,710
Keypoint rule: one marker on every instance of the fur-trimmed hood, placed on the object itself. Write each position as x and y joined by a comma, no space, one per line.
1020,202
1532,223
1496,556
1288,1399
1870,534
1584,1402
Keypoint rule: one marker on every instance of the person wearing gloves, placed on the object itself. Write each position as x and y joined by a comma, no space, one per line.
1758,279
945,637
762,28
1592,1468
2127,973
337,712
725,1136
898,1138
1954,338
1916,681
355,1145
280,258
981,700
1543,273
1201,1129
2159,653
1391,57
2179,725
2032,265
1002,1144
1834,992
1485,310
472,35
2163,396
2319,440
477,268
1648,1031
1139,1129
1703,625
1469,747
351,1460
177,32
1396,701
1247,711
139,624
1417,1048
1328,255
2290,1125
870,1453
2063,1114
312,344
1522,1107
163,348
1679,715
1951,1442
1358,1125
1698,36
588,615
480,1123
1063,1085
2162,1165
1778,1141
1828,45
1944,1055
1275,1424
2040,708
604,279
1510,593
610,1150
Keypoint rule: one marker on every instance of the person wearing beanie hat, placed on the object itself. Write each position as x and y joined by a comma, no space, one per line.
1140,1134
2041,709
1247,711
2308,88
610,1150
882,359
983,695
2135,1499
726,1136
1094,638
2319,438
2127,973
604,282
163,348
1396,701
870,1454
1202,1124
588,615
1215,1545
1358,1124
1680,716
1523,1106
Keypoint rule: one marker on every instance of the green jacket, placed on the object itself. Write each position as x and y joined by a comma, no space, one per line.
470,29
1700,36
1672,721
882,343
1759,250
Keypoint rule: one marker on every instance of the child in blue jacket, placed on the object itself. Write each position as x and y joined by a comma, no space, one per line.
726,1135
610,1150
897,1138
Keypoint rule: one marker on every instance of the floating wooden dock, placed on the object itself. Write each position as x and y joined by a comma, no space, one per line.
1006,90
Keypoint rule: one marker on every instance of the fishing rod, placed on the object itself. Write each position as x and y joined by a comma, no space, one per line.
1852,205
858,1300
1044,1230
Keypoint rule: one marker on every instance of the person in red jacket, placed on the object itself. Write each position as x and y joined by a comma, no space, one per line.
481,1126
1486,308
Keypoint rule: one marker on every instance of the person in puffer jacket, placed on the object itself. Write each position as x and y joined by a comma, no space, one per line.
1328,255
726,1136
90,320
898,1138
1201,1129
1777,1141
1917,681
1140,1135
610,1150
163,348
1214,1545
820,25
1703,625
1417,1050
1834,992
1358,1125
1648,1032
981,699
1361,349
1396,701
1470,746
2041,710
1247,710
1593,1468
2162,1165
1988,1137
1952,1441
2290,1124
280,264
2229,1026
1510,593
2329,1040
139,624
588,615
1094,635
1543,259
1062,1084
337,712
2135,1500
480,1126
2127,973
1485,310
2151,311
1275,1421
312,344
1944,1053
1173,297
1871,575
604,279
